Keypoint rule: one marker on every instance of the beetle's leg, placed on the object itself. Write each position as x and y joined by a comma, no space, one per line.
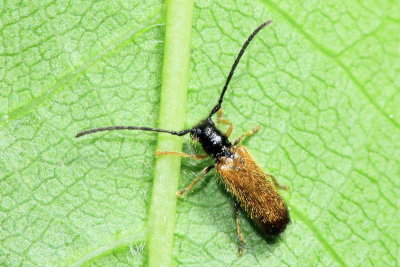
180,154
195,181
255,129
238,229
225,121
278,185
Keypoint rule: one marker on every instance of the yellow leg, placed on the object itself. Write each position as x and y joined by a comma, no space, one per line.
194,182
239,230
255,129
225,121
278,185
180,154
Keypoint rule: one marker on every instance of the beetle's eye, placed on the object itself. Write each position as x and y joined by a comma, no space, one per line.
195,132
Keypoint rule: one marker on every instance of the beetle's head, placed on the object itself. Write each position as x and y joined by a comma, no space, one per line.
202,130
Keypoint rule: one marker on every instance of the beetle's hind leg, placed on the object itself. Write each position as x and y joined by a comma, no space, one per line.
180,154
225,121
255,129
238,229
195,181
277,184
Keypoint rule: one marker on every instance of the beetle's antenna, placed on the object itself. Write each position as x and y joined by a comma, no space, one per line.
221,98
112,128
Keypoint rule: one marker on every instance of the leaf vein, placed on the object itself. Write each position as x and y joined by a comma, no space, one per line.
69,77
334,58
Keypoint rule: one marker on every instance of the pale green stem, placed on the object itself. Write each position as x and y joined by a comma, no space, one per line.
175,78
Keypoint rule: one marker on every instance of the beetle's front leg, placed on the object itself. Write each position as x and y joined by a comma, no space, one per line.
180,154
225,121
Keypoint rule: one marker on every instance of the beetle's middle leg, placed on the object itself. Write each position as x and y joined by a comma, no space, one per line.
224,121
180,154
255,129
195,181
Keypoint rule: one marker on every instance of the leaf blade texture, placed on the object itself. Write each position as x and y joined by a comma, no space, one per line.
321,81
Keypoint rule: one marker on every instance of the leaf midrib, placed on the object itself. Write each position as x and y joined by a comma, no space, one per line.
175,80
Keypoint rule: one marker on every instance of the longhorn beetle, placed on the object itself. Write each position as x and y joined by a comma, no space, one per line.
242,177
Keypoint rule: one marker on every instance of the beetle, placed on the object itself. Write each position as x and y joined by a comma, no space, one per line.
242,177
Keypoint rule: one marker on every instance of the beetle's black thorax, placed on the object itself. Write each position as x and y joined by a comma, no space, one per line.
213,141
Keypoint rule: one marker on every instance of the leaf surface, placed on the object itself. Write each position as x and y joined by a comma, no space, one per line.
322,82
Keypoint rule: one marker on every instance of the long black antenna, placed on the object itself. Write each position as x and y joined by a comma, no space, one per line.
111,128
221,98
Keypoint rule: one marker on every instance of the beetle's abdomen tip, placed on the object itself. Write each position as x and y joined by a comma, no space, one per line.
274,228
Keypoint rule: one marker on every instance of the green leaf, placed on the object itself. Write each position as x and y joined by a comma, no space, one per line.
322,82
